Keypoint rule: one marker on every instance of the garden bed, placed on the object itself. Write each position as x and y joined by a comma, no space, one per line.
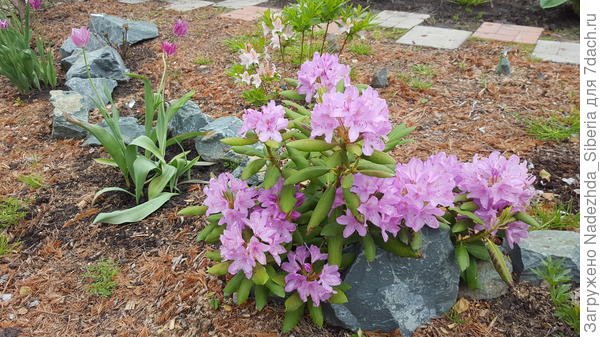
163,287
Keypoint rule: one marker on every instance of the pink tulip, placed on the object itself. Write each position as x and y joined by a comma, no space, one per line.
169,48
80,37
3,24
180,28
35,4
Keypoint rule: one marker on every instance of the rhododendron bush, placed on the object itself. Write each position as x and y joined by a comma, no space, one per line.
329,184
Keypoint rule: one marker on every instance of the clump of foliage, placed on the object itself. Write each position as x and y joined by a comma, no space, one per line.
102,276
12,211
555,128
558,279
330,183
557,216
546,4
143,162
27,64
34,180
470,3
360,49
6,247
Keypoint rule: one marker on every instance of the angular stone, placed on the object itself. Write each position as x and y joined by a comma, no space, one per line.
237,4
254,180
490,284
189,118
435,37
113,28
540,245
130,130
83,86
67,48
104,63
210,147
398,19
555,51
397,292
72,103
380,78
187,5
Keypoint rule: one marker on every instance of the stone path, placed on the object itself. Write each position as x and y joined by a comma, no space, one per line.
555,51
396,19
237,4
435,37
249,13
187,5
508,33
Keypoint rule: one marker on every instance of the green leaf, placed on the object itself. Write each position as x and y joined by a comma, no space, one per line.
377,173
215,234
369,247
396,247
276,277
310,145
400,131
260,276
470,275
545,4
306,174
293,302
193,211
260,296
239,141
292,95
460,226
498,261
323,207
233,284
184,136
147,144
214,255
244,291
526,218
253,167
292,318
316,314
136,213
332,229
417,241
462,257
382,158
159,182
335,246
106,161
468,214
110,189
347,181
469,206
298,157
287,198
271,177
248,150
276,289
205,231
219,269
141,167
478,250
338,298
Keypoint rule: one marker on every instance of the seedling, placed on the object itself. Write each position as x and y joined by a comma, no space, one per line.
102,275
360,49
11,212
557,216
34,180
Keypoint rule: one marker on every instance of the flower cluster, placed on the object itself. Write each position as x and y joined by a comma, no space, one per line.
35,4
180,29
266,123
4,24
352,116
256,70
273,25
322,72
307,278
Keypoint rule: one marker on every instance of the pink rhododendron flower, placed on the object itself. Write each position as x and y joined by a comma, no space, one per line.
515,232
323,71
269,199
35,4
231,197
267,123
80,37
169,48
4,24
351,225
180,28
496,182
305,279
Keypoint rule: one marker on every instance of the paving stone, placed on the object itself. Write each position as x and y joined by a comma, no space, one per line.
249,13
187,5
397,19
555,51
237,4
435,37
508,33
133,2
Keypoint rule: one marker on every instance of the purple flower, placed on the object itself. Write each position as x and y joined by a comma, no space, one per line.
267,123
4,24
80,37
243,255
351,225
169,48
180,28
35,4
305,278
323,71
496,182
231,197
515,232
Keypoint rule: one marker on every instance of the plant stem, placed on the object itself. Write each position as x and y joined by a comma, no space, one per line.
302,47
343,45
280,48
325,37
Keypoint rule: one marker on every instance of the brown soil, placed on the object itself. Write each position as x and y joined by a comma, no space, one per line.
163,288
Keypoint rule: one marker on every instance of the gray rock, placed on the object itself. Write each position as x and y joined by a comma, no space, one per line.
189,118
210,147
67,62
112,28
490,284
540,245
68,48
130,130
254,180
104,63
380,78
83,86
72,103
398,292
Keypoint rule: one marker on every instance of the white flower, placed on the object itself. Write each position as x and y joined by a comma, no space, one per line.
346,26
256,80
278,26
249,57
246,78
266,29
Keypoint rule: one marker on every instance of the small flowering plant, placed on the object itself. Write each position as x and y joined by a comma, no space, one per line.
330,184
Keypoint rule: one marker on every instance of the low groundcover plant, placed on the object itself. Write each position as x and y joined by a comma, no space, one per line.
329,184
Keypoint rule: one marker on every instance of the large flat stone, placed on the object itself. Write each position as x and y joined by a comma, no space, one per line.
113,28
443,38
237,4
544,244
103,63
187,5
189,118
249,13
394,292
69,102
508,33
397,19
130,130
556,51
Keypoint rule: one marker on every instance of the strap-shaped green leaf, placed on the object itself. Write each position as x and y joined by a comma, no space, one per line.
136,213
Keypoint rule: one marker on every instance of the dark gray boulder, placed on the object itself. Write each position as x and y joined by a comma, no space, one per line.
104,63
189,118
104,88
72,103
130,130
380,78
210,148
112,28
397,292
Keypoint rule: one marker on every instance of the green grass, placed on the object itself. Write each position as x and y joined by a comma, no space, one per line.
423,70
5,246
556,128
382,33
202,61
237,43
556,216
558,279
34,180
360,49
102,275
12,211
419,84
470,3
